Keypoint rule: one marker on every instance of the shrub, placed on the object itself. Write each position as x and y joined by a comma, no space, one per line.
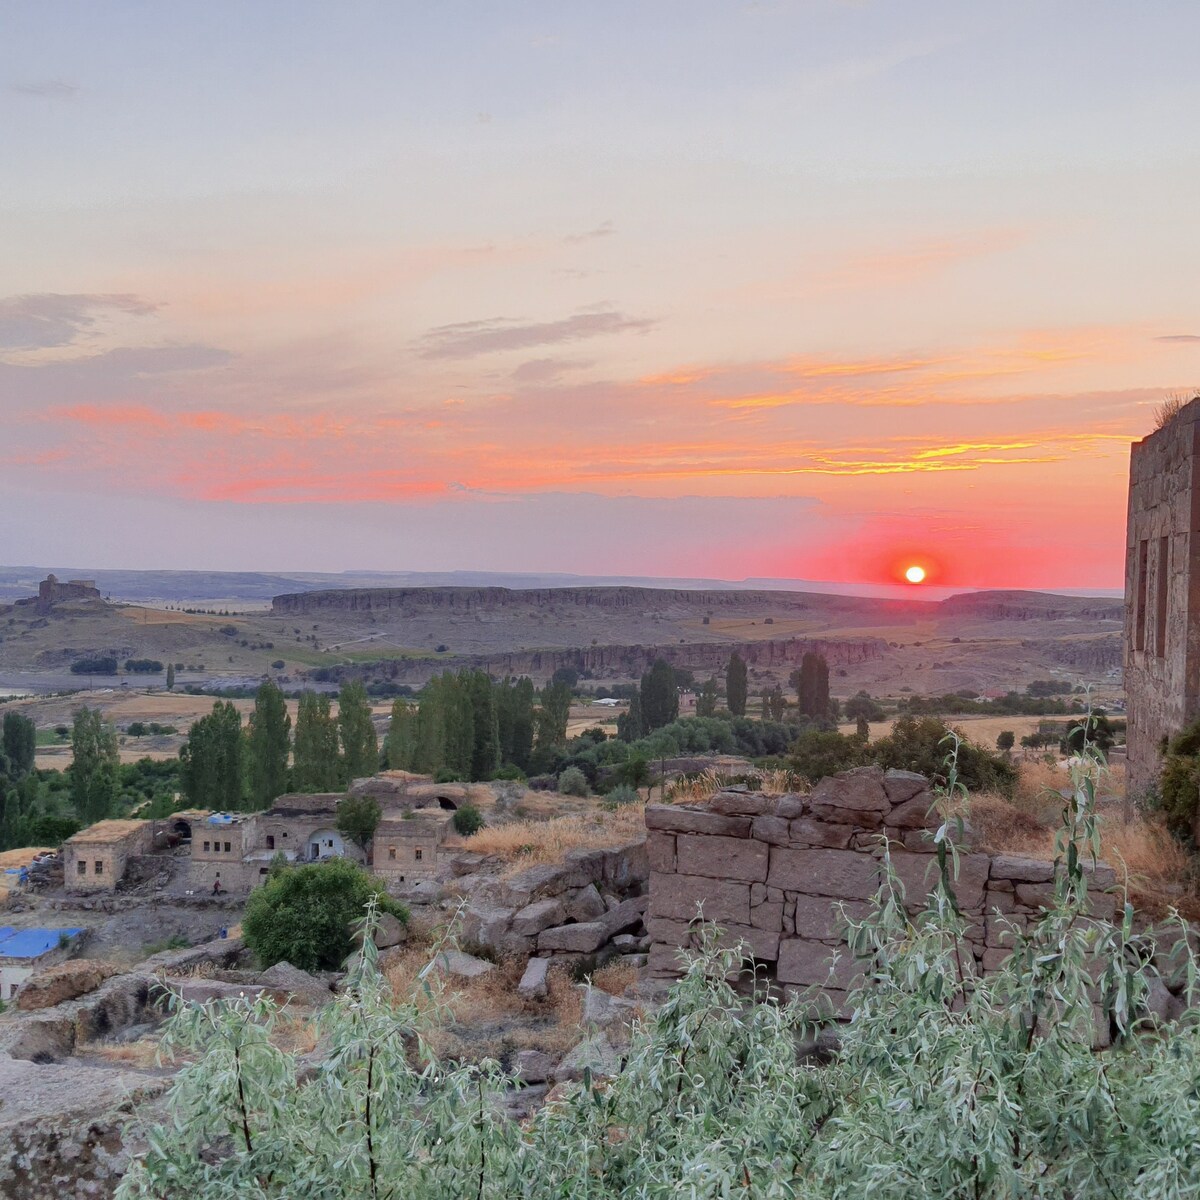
143,666
542,783
447,775
573,782
105,664
306,915
278,664
1179,783
622,794
467,820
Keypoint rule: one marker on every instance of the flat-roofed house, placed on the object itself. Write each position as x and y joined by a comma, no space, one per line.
94,859
406,847
23,951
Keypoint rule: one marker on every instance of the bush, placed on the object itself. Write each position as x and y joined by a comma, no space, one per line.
467,820
307,914
447,775
98,665
542,783
278,665
573,782
622,794
143,666
1179,782
509,771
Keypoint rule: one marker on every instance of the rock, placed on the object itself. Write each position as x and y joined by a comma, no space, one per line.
389,931
586,905
811,963
601,1009
855,797
533,1066
534,980
627,914
732,803
583,937
721,857
843,874
292,982
914,813
595,1053
538,915
675,818
902,786
1021,869
63,981
626,941
201,991
678,896
791,806
463,966
1160,1004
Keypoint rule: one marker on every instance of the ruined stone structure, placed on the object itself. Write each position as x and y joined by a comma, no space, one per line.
405,848
775,873
95,858
51,591
1162,591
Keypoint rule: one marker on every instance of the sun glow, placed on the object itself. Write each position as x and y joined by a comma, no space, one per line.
915,574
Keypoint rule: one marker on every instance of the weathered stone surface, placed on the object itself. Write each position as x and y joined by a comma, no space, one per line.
841,873
463,966
533,1066
1021,869
761,943
292,981
595,1054
919,874
857,791
485,926
664,961
626,915
534,980
741,804
677,896
583,937
774,831
539,915
721,857
805,831
63,981
915,813
901,786
805,962
790,806
586,905
918,841
660,850
1035,895
674,818
821,919
389,931
601,1009
768,915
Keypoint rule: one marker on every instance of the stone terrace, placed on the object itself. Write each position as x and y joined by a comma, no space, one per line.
777,873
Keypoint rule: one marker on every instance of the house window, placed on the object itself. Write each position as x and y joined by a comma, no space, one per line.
391,854
270,841
99,866
329,843
206,847
417,853
81,867
262,870
227,847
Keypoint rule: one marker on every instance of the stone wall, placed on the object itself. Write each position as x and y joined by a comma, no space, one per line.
1162,574
776,873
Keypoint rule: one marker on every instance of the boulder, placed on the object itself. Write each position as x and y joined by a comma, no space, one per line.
901,786
534,980
586,905
287,982
462,966
583,937
538,915
601,1009
533,1066
626,915
63,981
389,931
595,1053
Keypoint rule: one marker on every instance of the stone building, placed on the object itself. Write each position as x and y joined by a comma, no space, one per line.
52,591
94,859
1162,591
406,847
24,951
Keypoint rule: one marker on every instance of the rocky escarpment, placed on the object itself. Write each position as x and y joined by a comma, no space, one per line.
1032,606
1085,654
416,601
620,662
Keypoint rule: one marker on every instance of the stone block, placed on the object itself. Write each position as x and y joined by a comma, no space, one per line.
759,943
773,830
677,896
994,958
790,806
918,841
721,857
805,962
914,814
741,804
821,919
627,914
902,786
855,797
840,873
996,901
463,966
534,980
806,832
1035,895
533,1066
541,914
1021,869
584,937
586,905
674,818
919,874
660,850
767,915
665,961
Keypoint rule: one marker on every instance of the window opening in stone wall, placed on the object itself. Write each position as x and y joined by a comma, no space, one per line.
1139,630
391,854
270,841
418,855
99,867
1160,614
81,867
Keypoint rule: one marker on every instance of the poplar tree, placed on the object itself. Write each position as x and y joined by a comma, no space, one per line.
553,714
812,687
629,724
400,742
360,746
170,676
94,765
514,719
18,744
315,754
213,760
659,696
706,699
268,746
485,729
735,685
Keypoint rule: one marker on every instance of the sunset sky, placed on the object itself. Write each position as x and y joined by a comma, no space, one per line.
806,290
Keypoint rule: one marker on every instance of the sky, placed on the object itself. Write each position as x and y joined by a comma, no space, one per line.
813,290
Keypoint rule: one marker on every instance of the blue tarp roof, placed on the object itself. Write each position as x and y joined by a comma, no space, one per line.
30,943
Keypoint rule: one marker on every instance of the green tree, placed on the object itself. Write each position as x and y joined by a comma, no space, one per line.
315,753
817,753
467,820
736,685
268,745
485,725
635,771
1006,739
812,687
515,720
400,742
1179,783
358,818
212,760
659,696
861,705
170,676
18,744
573,782
706,699
553,714
307,915
360,746
94,765
630,726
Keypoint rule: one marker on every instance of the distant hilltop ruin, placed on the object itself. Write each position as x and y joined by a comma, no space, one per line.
52,591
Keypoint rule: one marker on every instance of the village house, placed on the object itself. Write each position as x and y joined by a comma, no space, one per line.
23,951
406,845
95,858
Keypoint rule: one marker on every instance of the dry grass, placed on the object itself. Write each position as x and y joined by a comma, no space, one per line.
775,782
142,1055
615,977
523,844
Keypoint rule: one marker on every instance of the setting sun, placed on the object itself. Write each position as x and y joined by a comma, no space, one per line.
915,574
